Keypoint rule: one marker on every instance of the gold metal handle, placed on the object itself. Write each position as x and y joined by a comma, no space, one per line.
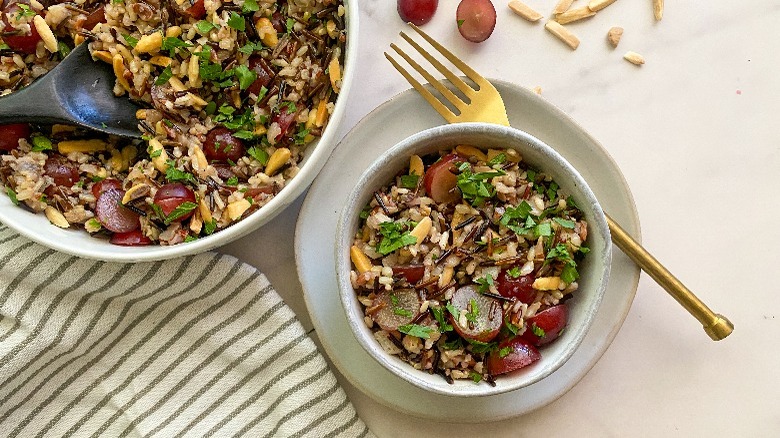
717,326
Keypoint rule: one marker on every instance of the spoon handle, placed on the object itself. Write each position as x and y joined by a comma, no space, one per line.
715,325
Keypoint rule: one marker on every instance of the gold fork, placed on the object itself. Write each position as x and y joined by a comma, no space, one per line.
485,105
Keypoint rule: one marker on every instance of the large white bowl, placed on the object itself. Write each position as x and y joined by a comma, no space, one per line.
594,270
77,242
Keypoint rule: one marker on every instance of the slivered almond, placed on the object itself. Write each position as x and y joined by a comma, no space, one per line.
86,146
634,58
119,70
237,209
49,40
176,84
200,158
658,9
196,223
334,71
537,89
193,70
159,159
597,5
471,151
524,11
149,43
547,283
562,34
54,215
573,15
416,166
420,232
277,160
103,56
614,34
360,259
162,61
205,212
446,276
322,113
562,6
135,192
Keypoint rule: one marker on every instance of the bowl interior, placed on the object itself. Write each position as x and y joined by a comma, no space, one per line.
594,270
76,242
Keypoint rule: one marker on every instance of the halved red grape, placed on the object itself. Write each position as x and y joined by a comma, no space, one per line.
263,78
440,183
512,355
11,134
106,184
412,273
418,12
392,309
113,215
63,171
97,16
194,8
484,315
222,145
519,287
172,195
547,325
476,19
21,40
285,118
131,238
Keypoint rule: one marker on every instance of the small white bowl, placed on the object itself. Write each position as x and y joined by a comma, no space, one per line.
594,270
77,242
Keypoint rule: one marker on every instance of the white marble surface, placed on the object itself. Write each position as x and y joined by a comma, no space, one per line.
695,132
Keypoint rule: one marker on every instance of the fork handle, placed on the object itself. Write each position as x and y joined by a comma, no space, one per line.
715,325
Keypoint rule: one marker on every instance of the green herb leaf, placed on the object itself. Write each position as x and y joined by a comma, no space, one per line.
538,331
175,175
441,318
12,194
565,223
484,283
395,235
410,181
164,76
543,229
365,212
250,6
289,24
476,187
210,71
570,202
244,135
400,311
475,376
190,238
63,49
236,21
24,11
4,46
182,210
511,328
204,26
209,227
453,311
416,330
41,143
569,274
482,347
521,211
205,54
130,40
504,352
498,159
232,181
251,47
514,272
474,313
173,43
460,22
454,344
245,76
300,136
258,154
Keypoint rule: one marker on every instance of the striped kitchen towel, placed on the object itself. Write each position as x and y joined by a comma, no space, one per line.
196,346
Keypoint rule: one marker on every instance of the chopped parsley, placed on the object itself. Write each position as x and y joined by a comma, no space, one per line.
130,40
236,21
410,181
258,154
175,175
438,313
416,330
244,135
543,229
205,54
24,11
289,25
245,76
180,211
453,344
41,143
4,46
210,71
482,347
565,223
538,331
511,328
172,43
453,311
209,227
552,191
395,235
190,238
475,376
400,311
251,47
504,352
476,187
498,159
211,108
232,181
514,272
250,6
484,283
205,26
12,194
474,313
460,22
164,76
560,253
365,212
300,136
63,49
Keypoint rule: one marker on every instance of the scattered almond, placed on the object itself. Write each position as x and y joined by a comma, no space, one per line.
573,15
524,11
658,9
634,58
562,6
55,217
597,5
537,89
614,35
562,34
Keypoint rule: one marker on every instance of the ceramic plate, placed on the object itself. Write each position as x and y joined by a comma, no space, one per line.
401,116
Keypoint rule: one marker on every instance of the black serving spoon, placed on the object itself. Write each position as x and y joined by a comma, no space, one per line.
78,91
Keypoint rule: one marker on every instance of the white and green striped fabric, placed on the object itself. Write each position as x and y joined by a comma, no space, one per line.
196,346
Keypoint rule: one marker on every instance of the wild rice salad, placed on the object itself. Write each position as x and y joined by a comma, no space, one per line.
463,263
231,94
